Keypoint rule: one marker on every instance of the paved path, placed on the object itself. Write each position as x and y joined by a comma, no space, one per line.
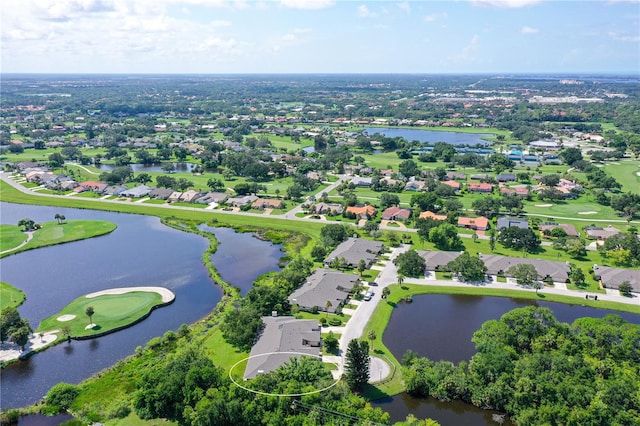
24,243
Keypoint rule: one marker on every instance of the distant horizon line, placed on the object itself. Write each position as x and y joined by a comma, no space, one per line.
498,73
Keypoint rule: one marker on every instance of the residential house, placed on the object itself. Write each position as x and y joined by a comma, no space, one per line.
478,176
452,183
520,191
499,265
267,203
160,193
213,197
432,215
280,338
137,192
355,249
550,226
115,189
476,223
480,187
364,212
190,196
437,260
456,176
322,286
362,181
396,213
508,222
506,177
97,187
599,233
546,145
242,201
414,185
613,277
329,208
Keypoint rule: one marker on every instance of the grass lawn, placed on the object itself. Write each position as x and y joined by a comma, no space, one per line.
53,233
571,209
626,172
111,311
12,237
10,296
222,353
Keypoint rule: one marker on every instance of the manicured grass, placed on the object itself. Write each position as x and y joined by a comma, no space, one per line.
222,353
311,316
10,296
626,172
111,311
12,237
54,233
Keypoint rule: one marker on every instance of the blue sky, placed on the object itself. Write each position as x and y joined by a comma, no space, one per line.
320,36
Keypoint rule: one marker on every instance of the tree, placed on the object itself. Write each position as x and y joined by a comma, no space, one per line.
487,206
399,278
56,160
467,267
328,305
524,273
59,218
66,332
330,342
571,155
410,264
492,240
89,312
425,201
519,239
408,168
356,369
550,180
388,200
164,181
362,266
334,233
318,252
371,337
386,291
27,224
216,184
625,288
143,178
62,395
577,276
20,336
445,237
575,248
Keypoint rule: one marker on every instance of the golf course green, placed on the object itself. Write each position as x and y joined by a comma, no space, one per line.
112,310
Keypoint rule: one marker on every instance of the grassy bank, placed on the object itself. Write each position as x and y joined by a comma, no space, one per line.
52,233
10,296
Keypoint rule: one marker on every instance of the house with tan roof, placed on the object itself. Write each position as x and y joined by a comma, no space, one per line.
267,203
480,187
452,183
364,212
431,215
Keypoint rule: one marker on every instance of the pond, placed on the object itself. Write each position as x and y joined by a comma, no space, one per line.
140,252
432,136
440,327
241,257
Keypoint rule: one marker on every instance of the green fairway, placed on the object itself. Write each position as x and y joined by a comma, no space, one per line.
111,311
626,172
12,237
10,296
53,233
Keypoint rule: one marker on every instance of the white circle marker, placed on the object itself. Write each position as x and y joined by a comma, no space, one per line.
279,394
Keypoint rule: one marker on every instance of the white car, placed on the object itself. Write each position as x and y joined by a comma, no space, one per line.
368,295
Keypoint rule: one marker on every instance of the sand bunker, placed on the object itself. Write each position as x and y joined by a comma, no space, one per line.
167,295
544,205
90,326
66,317
637,173
587,212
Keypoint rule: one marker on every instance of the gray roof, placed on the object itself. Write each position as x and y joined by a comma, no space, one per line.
213,197
329,207
161,193
613,277
285,335
362,181
508,222
559,271
568,228
354,249
322,286
137,192
435,259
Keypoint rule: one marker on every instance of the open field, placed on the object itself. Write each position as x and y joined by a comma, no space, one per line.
10,296
111,311
626,172
12,236
53,233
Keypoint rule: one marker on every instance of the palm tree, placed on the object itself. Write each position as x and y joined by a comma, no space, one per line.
89,311
60,218
327,306
385,292
400,278
371,336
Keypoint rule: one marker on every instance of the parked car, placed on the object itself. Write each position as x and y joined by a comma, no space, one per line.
373,284
368,295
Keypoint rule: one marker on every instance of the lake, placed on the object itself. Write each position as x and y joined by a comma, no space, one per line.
432,136
140,252
427,326
179,167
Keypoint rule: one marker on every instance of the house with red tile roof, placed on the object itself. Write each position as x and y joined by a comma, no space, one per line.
479,187
452,183
396,213
475,223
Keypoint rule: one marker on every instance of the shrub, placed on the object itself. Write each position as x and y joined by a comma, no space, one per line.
62,395
335,322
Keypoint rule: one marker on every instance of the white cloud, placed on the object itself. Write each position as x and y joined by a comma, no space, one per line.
507,4
219,24
364,12
623,37
405,7
434,17
467,55
307,4
529,30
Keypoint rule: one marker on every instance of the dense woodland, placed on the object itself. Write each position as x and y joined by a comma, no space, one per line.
541,371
